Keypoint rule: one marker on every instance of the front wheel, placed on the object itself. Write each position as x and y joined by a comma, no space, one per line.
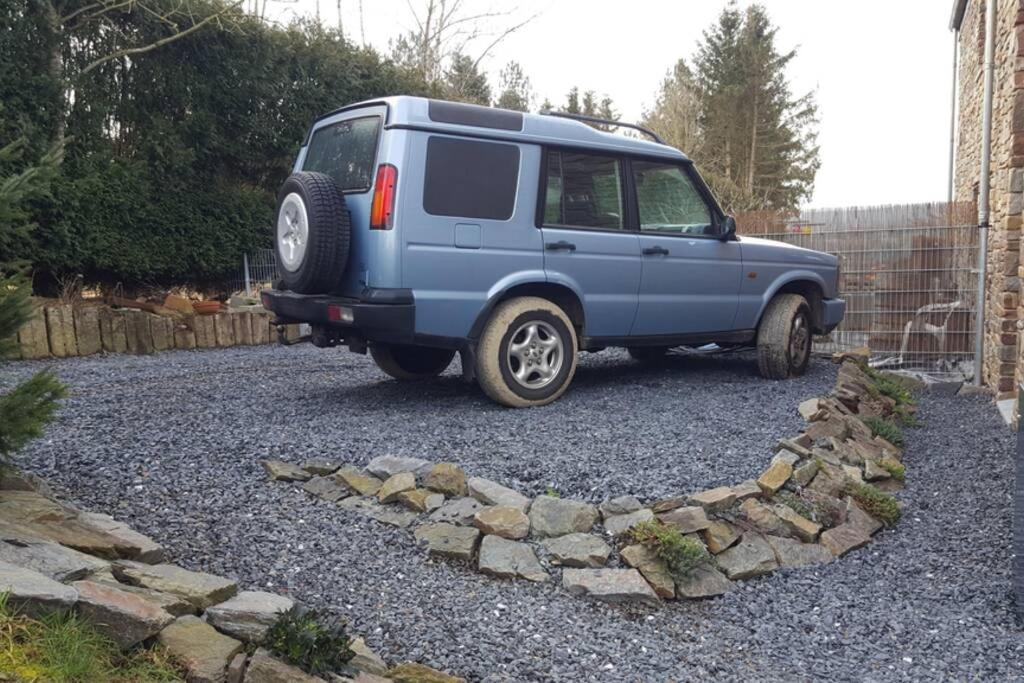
784,337
411,363
527,353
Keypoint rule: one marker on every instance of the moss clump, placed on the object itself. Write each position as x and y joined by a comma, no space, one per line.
800,506
552,492
895,470
887,430
680,553
300,639
878,504
61,648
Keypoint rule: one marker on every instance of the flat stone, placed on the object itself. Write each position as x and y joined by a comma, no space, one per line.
395,485
798,525
448,540
362,483
200,589
822,429
264,668
577,550
751,557
413,672
747,489
199,648
719,536
704,581
248,615
829,480
652,567
550,516
280,470
32,593
175,605
328,488
144,549
377,512
791,450
610,585
687,519
874,471
853,473
421,500
621,505
793,553
236,669
365,659
460,511
509,559
716,499
667,504
803,474
493,493
856,516
504,521
620,524
383,466
809,408
844,538
763,517
125,618
447,478
775,476
320,466
50,559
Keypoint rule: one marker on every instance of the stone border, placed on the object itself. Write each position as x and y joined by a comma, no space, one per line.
54,557
803,509
65,330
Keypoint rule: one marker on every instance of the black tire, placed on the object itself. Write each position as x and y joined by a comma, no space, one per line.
318,267
496,366
411,363
647,354
784,337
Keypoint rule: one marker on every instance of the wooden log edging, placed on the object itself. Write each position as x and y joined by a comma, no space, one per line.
65,330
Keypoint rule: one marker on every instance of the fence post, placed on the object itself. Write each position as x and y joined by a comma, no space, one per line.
248,281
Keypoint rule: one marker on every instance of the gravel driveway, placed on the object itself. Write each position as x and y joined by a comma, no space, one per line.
172,445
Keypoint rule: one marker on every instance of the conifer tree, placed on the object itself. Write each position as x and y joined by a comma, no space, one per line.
514,88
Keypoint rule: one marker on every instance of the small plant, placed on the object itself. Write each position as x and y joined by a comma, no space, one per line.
812,506
800,506
552,492
889,386
878,504
681,554
895,470
299,638
887,430
906,417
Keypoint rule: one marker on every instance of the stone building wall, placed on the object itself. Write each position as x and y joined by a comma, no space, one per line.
1002,368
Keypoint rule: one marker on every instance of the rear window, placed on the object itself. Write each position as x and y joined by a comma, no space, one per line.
470,179
345,151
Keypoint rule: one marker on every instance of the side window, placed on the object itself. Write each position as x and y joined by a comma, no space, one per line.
668,201
470,179
583,191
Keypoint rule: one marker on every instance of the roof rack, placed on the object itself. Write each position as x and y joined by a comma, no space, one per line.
607,122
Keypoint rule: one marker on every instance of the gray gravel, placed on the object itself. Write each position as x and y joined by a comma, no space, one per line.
172,445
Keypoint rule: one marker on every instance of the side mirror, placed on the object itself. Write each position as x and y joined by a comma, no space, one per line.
728,229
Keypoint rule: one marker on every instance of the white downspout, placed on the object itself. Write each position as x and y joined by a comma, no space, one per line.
983,187
952,117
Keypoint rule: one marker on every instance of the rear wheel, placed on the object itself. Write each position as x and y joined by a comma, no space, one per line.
647,354
411,363
527,353
784,337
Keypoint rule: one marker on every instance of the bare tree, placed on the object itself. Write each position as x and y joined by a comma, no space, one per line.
444,28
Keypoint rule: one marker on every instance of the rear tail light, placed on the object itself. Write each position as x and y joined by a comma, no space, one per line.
382,210
339,314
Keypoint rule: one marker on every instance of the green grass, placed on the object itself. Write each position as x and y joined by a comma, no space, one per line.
887,430
681,554
895,470
61,648
878,504
890,386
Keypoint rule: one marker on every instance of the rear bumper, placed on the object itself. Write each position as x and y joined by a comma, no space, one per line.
833,311
379,315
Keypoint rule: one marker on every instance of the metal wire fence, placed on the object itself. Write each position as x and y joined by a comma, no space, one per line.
907,276
258,271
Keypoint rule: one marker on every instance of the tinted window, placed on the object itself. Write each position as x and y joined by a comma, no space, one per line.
345,151
583,190
474,115
668,200
470,179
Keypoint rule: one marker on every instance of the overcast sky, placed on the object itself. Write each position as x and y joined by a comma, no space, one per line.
881,70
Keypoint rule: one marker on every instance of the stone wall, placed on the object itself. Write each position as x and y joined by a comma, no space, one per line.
63,330
1001,368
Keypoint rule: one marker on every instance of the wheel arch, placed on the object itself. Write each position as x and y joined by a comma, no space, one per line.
811,288
562,295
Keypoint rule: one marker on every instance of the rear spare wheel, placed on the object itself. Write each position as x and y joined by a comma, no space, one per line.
312,233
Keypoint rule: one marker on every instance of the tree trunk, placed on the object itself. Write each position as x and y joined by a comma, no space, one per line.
55,68
751,162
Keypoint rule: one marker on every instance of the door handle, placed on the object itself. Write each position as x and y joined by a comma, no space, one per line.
655,251
560,245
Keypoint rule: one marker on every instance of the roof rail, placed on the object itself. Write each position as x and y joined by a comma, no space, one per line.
607,122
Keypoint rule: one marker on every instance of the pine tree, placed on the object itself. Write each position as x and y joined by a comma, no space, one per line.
463,82
514,88
590,106
28,407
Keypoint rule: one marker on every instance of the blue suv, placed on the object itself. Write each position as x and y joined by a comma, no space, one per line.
417,228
